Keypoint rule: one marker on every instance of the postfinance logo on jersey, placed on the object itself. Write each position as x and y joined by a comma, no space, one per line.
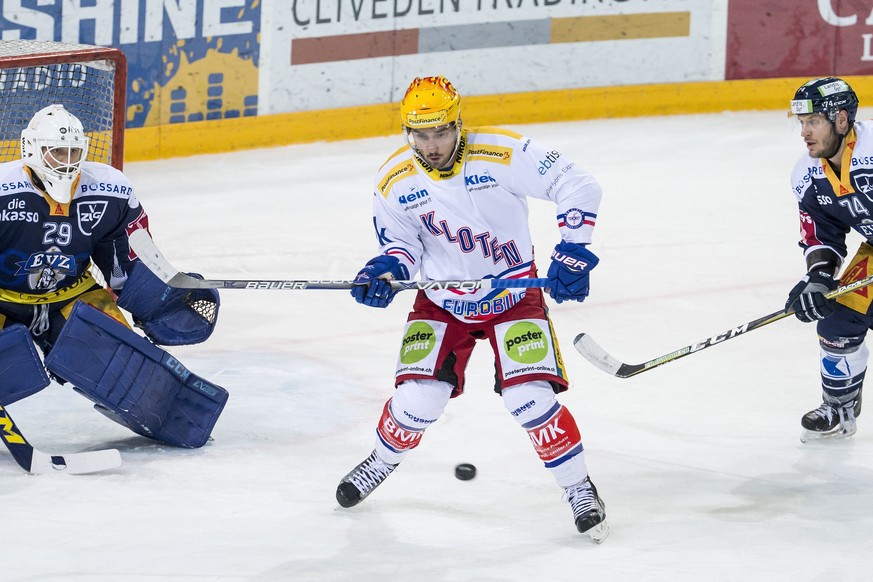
418,343
526,343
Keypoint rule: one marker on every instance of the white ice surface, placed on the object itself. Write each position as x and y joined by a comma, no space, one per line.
699,461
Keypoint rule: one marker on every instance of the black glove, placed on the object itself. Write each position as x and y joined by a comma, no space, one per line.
807,298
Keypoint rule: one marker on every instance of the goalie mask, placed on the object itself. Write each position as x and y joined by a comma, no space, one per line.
431,104
53,146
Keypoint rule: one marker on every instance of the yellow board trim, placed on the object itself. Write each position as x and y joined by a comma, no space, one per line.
186,139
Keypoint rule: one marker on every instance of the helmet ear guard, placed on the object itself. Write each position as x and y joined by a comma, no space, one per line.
54,146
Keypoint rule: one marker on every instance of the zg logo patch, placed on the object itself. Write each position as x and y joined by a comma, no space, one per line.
90,212
525,342
418,343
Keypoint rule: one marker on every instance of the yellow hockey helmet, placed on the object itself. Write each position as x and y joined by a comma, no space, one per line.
430,102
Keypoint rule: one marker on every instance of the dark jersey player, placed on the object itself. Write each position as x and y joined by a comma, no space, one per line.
59,215
833,184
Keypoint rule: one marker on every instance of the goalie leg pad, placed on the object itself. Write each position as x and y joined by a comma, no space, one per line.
142,386
169,316
21,370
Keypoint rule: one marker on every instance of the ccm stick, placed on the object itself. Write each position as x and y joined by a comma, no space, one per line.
142,244
36,462
592,351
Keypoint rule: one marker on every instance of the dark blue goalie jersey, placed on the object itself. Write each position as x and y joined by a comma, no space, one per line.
831,204
46,248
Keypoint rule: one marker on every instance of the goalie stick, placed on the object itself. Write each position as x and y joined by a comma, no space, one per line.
142,244
595,354
36,462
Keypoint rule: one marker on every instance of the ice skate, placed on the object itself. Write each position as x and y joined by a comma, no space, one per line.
361,481
589,511
831,420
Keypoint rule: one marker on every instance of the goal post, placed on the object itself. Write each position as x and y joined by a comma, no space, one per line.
90,81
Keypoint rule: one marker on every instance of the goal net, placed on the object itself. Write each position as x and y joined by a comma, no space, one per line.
90,81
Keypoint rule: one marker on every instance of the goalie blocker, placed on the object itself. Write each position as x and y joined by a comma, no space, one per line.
134,382
21,372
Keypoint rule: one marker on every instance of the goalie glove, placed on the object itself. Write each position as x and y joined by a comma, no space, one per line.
167,315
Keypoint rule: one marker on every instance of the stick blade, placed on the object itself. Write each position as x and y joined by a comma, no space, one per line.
592,352
75,463
142,244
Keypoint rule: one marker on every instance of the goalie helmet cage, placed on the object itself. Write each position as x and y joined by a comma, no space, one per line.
90,81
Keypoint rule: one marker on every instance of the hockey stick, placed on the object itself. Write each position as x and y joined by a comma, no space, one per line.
36,462
142,244
592,352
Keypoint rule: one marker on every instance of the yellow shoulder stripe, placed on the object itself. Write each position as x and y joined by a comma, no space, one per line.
402,170
392,156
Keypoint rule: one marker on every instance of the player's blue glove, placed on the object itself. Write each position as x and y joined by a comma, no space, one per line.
568,273
371,287
808,296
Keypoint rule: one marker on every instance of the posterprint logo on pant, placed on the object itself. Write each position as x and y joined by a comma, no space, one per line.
526,348
525,342
420,347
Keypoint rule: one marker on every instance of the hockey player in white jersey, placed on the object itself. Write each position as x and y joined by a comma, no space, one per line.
60,214
452,204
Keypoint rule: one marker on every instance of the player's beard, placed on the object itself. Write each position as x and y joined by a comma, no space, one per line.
832,145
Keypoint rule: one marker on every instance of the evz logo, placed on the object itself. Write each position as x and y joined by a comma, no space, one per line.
46,269
90,214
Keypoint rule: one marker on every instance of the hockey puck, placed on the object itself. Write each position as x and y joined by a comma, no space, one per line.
465,471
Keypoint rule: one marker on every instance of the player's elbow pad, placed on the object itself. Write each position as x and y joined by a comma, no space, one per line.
167,315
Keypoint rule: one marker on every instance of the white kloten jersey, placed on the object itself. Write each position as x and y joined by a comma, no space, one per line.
471,221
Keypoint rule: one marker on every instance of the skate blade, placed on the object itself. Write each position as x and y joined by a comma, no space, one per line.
833,435
599,532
